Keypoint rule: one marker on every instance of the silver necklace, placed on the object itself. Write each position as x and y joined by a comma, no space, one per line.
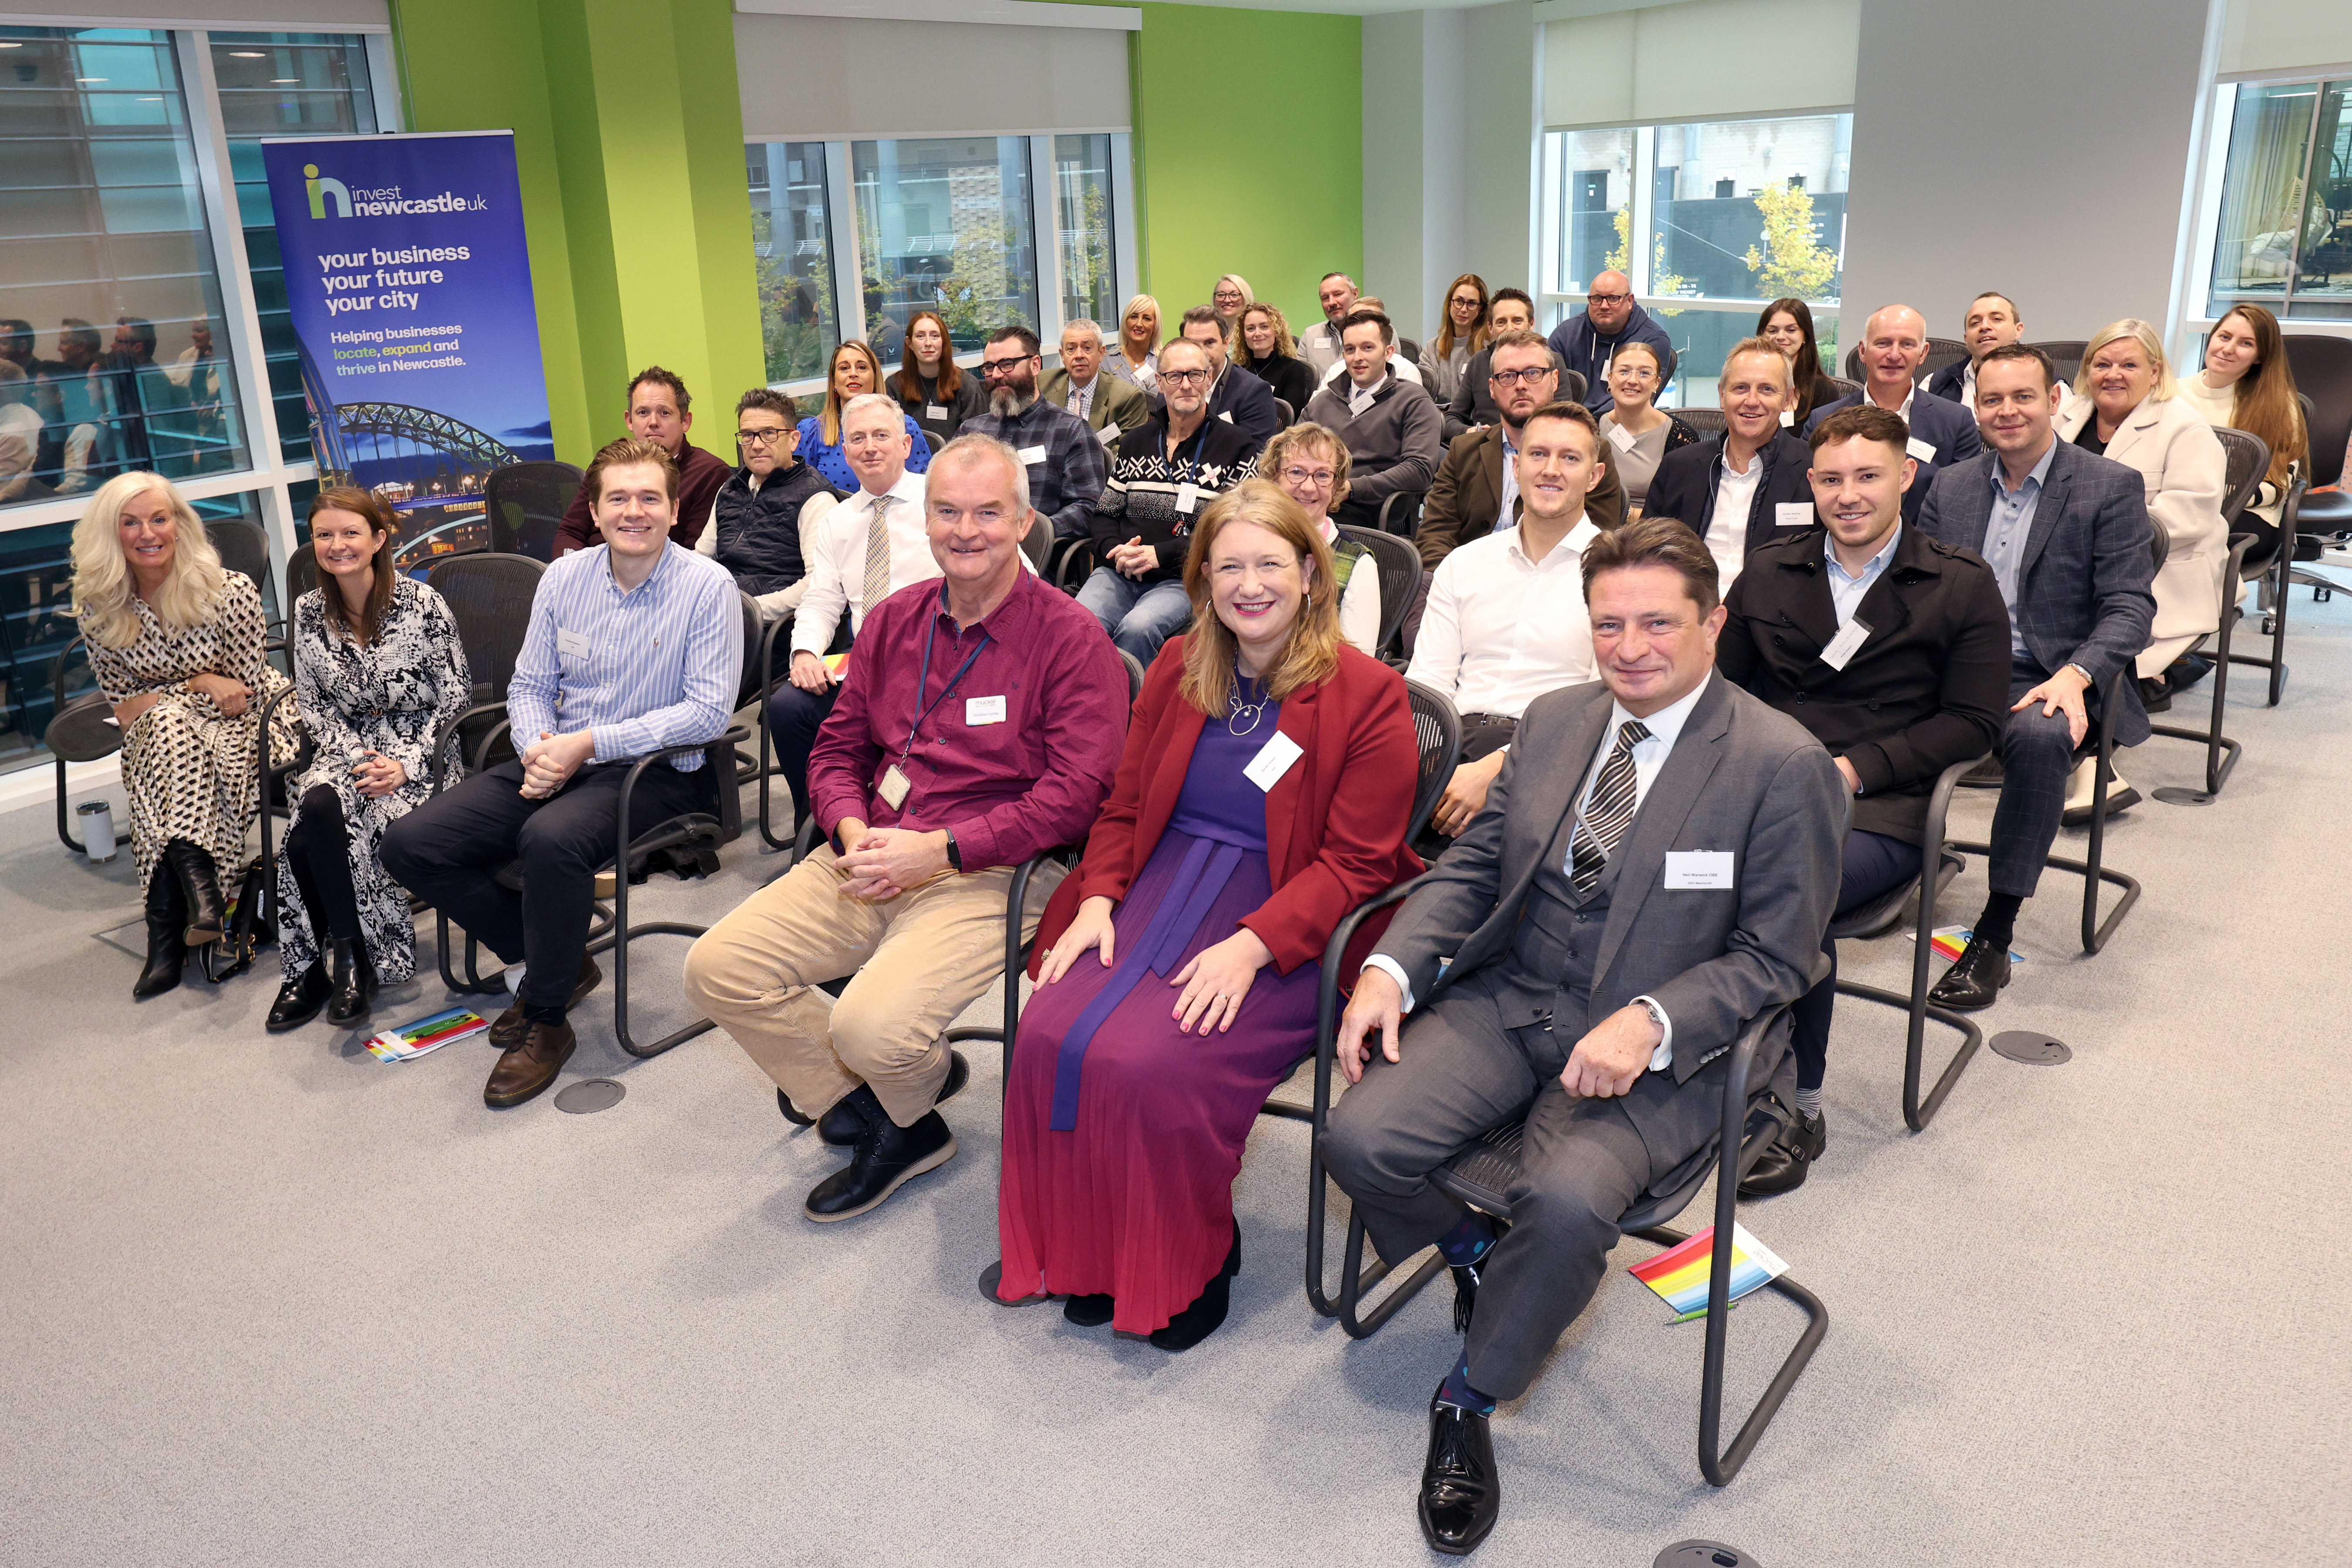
1236,711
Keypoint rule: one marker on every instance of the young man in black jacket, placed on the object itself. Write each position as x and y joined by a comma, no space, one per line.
758,515
1892,648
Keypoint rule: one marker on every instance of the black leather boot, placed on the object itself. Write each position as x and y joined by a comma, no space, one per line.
167,946
353,979
207,910
300,999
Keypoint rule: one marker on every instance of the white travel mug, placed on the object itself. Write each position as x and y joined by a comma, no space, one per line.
97,830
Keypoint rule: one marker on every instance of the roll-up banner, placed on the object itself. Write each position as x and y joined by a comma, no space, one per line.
409,283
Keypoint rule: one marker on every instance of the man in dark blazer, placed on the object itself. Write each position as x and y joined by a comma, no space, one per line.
1474,402
1892,648
1757,463
1237,396
1894,346
2067,536
1465,501
1653,868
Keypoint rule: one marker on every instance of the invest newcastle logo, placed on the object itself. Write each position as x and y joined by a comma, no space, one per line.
386,202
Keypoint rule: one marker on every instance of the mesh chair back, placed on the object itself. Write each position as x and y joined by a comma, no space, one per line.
1943,352
2248,460
933,438
1438,730
1408,350
1572,386
1840,387
1398,564
1284,414
525,503
243,548
2065,355
490,598
1705,421
2323,372
301,576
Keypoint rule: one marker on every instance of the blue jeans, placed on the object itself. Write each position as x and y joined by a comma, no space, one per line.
1138,616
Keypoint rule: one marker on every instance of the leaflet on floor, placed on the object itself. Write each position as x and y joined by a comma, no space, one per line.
1952,941
1680,1274
426,1035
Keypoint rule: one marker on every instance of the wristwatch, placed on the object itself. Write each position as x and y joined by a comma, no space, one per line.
955,854
1657,1014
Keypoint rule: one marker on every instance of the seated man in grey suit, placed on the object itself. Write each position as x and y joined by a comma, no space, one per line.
2067,534
1654,866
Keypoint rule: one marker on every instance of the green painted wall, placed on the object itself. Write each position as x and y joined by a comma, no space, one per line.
633,187
1265,178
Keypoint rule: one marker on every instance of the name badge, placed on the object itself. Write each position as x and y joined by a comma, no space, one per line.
1697,868
1188,496
1227,416
983,710
1788,419
1842,646
1109,433
1621,438
572,644
1924,451
934,411
1031,454
1273,760
1793,513
894,788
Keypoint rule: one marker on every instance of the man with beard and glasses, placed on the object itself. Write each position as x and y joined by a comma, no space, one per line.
1064,460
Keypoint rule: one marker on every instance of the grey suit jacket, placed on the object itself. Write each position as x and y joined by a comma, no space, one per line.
2083,595
1741,778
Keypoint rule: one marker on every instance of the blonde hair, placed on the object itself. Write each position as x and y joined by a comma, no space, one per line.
1151,304
1238,281
1210,648
2151,343
102,584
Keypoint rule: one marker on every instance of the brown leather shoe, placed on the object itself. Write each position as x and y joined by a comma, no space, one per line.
530,1067
507,1028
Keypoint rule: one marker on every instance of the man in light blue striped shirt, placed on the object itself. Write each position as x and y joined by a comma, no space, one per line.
634,646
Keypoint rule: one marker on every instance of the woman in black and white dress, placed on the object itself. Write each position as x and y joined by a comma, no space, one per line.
378,669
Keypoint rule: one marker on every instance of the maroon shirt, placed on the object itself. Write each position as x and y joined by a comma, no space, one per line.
699,475
1007,790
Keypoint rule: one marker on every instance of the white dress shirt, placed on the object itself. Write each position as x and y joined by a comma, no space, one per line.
1401,367
1665,727
1726,531
1848,589
835,553
1500,630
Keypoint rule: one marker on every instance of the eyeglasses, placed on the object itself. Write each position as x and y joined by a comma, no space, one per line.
1606,299
1634,372
1184,377
1320,478
760,438
1518,377
1002,366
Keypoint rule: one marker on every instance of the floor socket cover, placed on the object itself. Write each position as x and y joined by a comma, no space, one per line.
1704,1555
589,1094
2031,1047
2177,794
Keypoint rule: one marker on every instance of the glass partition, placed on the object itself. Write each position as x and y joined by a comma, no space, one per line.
944,224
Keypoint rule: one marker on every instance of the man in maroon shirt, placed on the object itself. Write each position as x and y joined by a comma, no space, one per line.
661,412
980,724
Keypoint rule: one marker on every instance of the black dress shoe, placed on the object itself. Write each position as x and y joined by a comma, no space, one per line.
1207,1313
1974,982
843,1126
167,943
1088,1311
353,978
300,999
1790,1160
2155,694
887,1156
1460,1494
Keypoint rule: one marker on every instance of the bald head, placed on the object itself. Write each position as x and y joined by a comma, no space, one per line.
1893,346
1609,301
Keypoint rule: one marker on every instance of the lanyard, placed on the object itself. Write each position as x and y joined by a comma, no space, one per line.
1192,464
923,682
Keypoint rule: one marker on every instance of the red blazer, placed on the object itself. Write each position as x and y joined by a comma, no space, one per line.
1334,823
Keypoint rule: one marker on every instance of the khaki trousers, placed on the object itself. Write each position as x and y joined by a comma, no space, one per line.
919,961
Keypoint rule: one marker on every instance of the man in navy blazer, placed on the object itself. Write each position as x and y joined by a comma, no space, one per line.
1738,490
2067,534
1893,346
1235,396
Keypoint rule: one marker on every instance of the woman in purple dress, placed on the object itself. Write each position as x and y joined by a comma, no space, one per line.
1263,794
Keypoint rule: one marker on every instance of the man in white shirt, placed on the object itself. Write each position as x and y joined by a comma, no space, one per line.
859,553
1505,621
1737,490
1318,345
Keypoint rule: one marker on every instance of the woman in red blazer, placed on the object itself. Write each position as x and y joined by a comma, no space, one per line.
1268,773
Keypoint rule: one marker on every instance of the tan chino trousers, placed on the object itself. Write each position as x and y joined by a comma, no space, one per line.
919,961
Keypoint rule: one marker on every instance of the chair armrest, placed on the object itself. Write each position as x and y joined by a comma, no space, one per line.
1326,1002
776,628
717,750
57,673
448,731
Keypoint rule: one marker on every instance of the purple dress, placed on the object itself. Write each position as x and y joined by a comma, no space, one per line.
1122,1134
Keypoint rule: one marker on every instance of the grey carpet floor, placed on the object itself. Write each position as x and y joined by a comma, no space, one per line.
265,1301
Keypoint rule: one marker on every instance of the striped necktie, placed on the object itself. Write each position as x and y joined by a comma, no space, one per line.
1609,811
878,552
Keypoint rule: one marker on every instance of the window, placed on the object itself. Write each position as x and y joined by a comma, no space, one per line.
2284,235
986,230
1709,220
283,84
113,290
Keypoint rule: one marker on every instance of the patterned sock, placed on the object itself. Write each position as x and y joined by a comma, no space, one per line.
1467,1242
1998,925
1457,1390
1808,1103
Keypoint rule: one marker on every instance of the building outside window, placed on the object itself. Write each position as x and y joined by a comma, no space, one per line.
2283,239
944,224
793,247
1082,231
1708,220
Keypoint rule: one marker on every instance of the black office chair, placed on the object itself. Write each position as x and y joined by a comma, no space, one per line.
1400,514
524,505
489,596
1708,422
1938,866
1943,353
1074,562
691,832
2249,459
1839,388
2323,374
935,442
301,576
1399,564
1285,416
1572,386
2093,867
2065,356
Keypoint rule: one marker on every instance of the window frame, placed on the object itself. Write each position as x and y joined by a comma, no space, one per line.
842,230
2199,308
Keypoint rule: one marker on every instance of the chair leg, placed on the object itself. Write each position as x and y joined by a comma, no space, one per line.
1919,1112
65,822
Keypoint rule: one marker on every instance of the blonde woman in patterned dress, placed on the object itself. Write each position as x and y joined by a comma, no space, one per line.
378,670
176,645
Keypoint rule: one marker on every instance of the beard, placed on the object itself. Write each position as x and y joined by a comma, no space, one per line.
1011,402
